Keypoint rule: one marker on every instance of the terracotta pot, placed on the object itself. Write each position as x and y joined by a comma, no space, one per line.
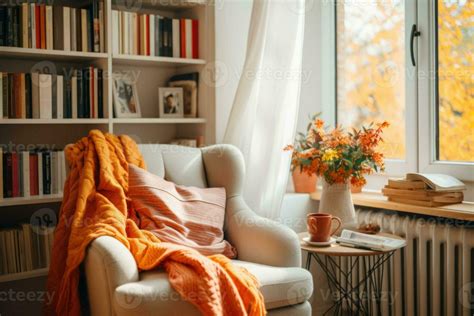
303,182
336,199
356,189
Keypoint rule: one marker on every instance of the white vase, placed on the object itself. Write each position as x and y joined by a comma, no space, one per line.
336,199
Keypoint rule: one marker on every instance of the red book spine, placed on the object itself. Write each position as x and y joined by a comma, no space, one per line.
15,175
43,25
147,35
38,25
182,28
91,89
34,174
195,38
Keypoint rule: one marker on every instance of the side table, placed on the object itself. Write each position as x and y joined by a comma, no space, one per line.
354,292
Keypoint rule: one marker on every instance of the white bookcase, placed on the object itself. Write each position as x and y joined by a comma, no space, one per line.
153,72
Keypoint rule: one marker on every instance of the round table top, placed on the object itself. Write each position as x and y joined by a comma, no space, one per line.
341,251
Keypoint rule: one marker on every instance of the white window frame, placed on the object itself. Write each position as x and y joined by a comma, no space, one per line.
420,138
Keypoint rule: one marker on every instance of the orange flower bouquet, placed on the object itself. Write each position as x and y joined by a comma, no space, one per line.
339,156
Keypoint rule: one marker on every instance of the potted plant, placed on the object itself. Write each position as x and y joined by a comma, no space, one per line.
304,178
341,159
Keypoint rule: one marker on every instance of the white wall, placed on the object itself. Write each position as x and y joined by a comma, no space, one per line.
232,23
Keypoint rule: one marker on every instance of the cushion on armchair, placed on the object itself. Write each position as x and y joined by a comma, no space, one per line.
188,216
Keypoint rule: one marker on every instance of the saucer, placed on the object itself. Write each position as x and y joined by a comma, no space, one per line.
319,243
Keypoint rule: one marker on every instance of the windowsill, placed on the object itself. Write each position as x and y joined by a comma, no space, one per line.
462,211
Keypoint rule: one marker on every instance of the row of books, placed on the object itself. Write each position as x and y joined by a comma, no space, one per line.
425,190
25,248
37,25
154,35
78,94
31,173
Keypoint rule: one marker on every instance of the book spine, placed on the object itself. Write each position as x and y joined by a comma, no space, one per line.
1,97
100,93
45,96
80,95
3,24
183,38
9,26
22,96
33,174
43,25
66,23
8,175
11,97
1,174
176,42
54,172
115,32
26,173
90,29
49,27
96,93
15,175
157,35
33,24
96,25
92,113
84,41
16,27
24,24
17,95
151,37
60,97
28,96
35,93
74,97
47,172
195,39
147,35
5,94
101,26
38,25
189,41
40,174
73,29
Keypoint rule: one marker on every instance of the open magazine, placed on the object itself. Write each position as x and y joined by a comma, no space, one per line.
360,240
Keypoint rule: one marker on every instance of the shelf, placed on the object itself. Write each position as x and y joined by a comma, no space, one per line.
159,121
24,275
40,199
41,54
138,60
463,211
52,121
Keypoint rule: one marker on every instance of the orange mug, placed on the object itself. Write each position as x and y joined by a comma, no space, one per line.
319,226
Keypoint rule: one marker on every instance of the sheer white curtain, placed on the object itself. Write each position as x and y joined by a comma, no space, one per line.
265,109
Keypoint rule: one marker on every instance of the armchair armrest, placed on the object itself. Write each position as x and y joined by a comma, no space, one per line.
259,239
108,264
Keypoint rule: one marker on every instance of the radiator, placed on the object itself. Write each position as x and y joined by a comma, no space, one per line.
433,274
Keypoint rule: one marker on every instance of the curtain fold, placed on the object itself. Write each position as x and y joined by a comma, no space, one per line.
265,109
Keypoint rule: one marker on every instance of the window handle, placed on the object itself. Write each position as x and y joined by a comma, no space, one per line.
414,33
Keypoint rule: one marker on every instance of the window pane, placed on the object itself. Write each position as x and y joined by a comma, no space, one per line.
371,68
456,80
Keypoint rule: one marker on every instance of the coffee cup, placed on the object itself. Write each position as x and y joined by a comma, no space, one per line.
320,226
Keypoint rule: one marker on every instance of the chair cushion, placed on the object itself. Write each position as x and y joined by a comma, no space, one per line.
280,287
188,216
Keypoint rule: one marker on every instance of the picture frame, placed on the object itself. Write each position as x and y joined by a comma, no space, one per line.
125,97
171,102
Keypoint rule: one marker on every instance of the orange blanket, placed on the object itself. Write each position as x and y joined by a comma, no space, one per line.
95,204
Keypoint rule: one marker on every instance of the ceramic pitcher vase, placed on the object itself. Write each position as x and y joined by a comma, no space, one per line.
336,199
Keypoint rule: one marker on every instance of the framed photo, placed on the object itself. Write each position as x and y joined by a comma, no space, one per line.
125,97
171,102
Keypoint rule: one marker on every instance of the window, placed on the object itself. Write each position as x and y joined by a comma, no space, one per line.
422,83
455,80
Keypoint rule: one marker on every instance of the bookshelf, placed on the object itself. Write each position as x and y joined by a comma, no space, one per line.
153,72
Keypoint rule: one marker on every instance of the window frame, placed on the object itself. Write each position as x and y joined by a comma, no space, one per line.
421,92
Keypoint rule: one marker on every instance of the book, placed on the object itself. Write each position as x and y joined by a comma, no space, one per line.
189,38
176,39
42,25
3,26
101,26
151,38
7,175
26,173
437,182
33,25
365,241
95,26
49,26
28,96
15,167
45,96
402,183
59,27
73,29
24,25
195,39
35,95
115,33
1,174
84,32
33,160
59,96
183,38
74,97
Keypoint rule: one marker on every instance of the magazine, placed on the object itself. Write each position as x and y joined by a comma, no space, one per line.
360,240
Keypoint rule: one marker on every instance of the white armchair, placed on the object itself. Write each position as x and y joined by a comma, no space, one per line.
267,249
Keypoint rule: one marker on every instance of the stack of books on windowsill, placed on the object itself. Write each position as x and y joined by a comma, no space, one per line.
425,190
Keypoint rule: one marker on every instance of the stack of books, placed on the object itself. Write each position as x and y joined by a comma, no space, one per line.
425,190
37,25
25,248
154,35
76,94
31,173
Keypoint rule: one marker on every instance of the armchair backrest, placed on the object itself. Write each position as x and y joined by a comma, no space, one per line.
212,166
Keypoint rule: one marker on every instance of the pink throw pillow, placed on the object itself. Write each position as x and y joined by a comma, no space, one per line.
188,216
